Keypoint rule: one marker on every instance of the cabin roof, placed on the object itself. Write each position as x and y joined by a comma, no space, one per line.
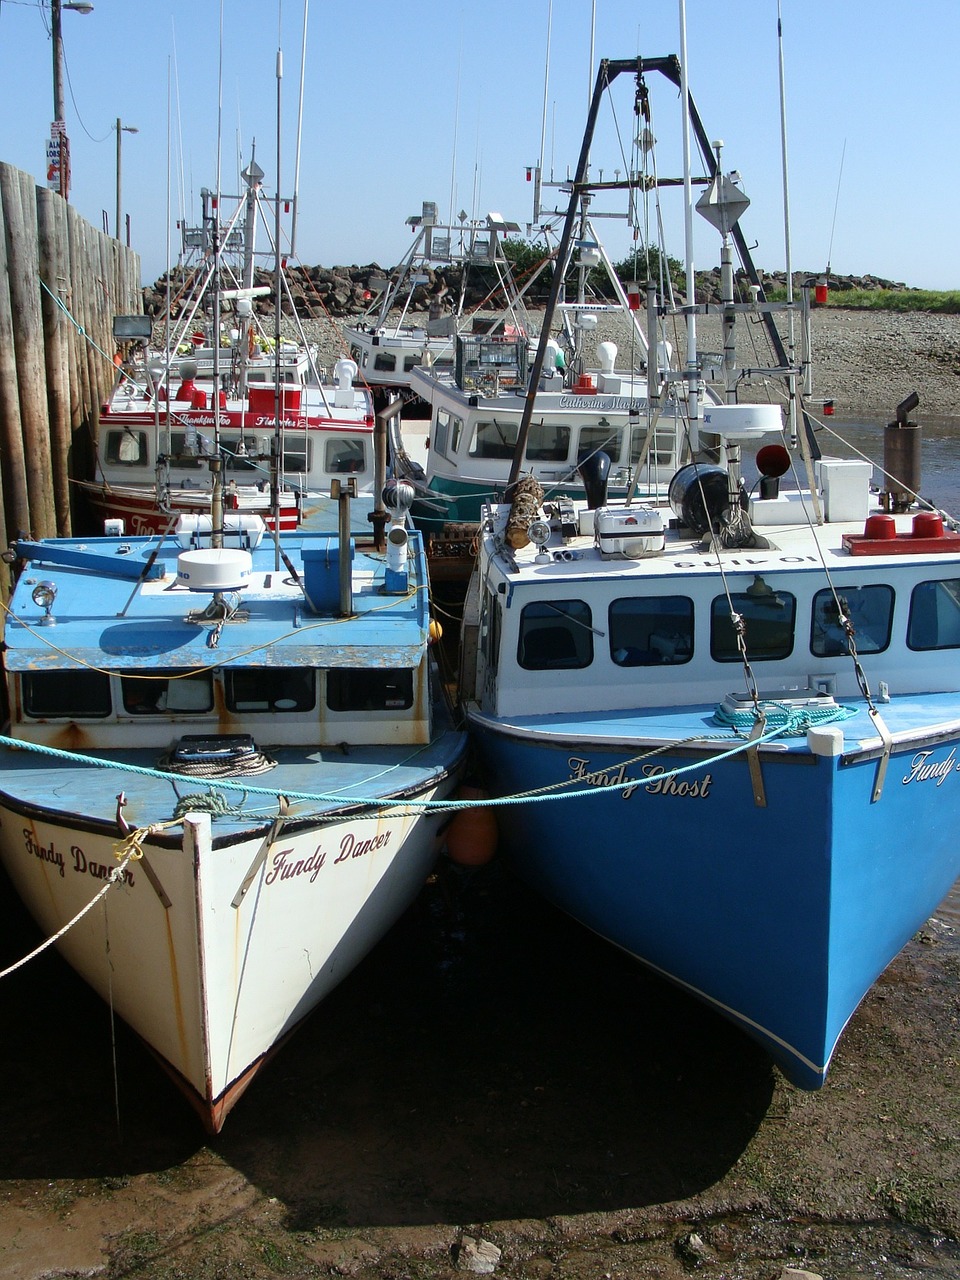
111,621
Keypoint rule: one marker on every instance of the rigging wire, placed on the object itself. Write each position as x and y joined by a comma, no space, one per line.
836,203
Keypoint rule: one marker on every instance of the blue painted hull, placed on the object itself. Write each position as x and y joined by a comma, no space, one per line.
780,916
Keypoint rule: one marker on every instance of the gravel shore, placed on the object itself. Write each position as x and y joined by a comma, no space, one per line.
866,361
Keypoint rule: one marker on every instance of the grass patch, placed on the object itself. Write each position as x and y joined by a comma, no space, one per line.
942,302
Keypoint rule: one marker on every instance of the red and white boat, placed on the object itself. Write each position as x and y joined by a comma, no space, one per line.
279,445
225,395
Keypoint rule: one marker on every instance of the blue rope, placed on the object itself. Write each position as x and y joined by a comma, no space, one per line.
794,721
387,802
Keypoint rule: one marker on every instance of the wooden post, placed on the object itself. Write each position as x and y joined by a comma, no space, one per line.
11,434
52,248
56,362
28,335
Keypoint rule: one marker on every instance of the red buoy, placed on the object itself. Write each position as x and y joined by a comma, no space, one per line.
472,835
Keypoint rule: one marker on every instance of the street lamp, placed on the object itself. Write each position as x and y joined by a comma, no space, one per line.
58,154
121,129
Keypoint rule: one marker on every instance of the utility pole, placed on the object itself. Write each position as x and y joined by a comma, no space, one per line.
121,129
58,148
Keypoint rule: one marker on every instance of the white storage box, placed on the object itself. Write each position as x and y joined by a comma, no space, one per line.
846,489
628,532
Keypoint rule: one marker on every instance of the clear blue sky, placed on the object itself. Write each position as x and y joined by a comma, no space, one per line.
411,101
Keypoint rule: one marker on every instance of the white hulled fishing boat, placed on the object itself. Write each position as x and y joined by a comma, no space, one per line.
234,747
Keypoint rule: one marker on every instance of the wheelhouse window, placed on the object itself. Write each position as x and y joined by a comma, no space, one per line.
342,456
188,457
127,448
179,693
66,695
548,442
662,451
869,609
493,439
555,635
446,433
411,362
651,631
601,437
272,689
268,376
247,462
385,362
935,615
355,689
297,461
490,631
768,616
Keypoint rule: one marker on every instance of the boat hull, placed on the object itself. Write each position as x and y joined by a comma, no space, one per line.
214,949
137,508
780,915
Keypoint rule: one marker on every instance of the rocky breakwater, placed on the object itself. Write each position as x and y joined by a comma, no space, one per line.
867,361
316,292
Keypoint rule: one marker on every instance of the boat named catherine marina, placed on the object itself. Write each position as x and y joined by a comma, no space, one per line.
752,696
239,743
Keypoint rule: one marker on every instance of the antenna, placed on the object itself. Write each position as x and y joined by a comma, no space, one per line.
296,168
546,84
833,224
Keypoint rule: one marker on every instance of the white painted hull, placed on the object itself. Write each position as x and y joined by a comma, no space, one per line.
213,978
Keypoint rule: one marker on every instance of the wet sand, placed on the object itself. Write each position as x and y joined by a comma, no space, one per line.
495,1071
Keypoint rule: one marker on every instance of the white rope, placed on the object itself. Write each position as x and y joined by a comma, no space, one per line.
133,851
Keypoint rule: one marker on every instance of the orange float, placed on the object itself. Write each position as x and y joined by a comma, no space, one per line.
472,835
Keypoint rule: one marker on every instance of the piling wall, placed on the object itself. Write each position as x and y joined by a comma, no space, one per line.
61,283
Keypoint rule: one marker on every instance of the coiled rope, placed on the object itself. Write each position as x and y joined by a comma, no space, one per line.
255,762
791,721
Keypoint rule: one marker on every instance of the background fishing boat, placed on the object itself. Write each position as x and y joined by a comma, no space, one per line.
388,344
281,428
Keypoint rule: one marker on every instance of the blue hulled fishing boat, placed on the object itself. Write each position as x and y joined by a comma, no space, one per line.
725,725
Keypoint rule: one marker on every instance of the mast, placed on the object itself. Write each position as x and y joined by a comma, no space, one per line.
277,461
692,372
607,72
216,461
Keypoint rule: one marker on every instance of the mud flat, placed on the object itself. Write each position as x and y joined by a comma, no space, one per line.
491,1072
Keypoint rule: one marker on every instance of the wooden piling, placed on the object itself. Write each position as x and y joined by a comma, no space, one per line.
61,282
12,462
53,283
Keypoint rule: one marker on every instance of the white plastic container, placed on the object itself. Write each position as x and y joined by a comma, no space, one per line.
628,532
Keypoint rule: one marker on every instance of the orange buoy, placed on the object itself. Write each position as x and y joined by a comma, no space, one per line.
435,631
472,835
